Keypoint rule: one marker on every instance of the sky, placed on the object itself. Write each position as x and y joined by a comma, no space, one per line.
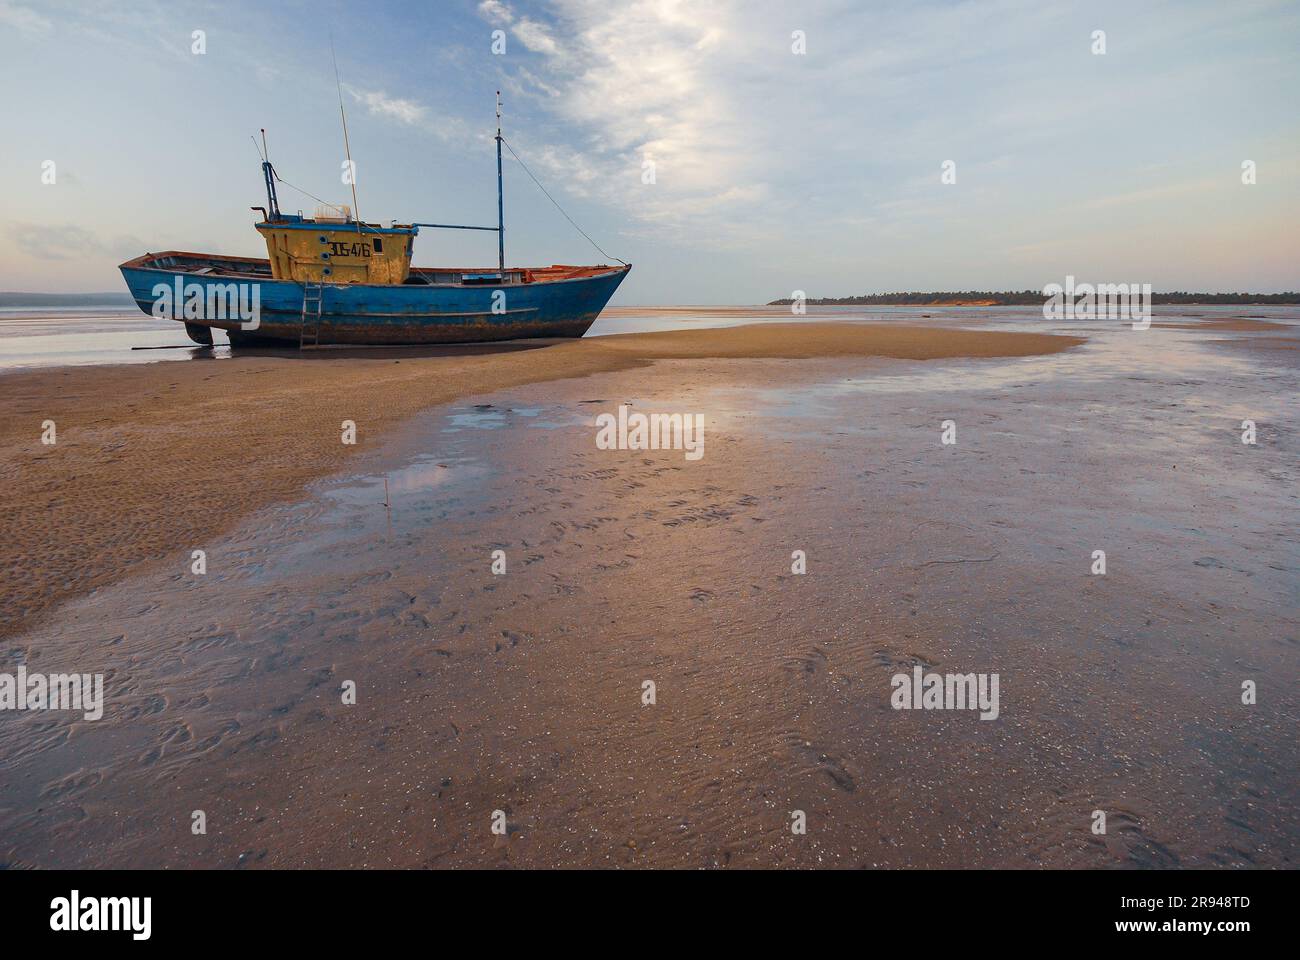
733,152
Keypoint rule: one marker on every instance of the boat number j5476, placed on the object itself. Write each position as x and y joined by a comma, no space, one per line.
343,249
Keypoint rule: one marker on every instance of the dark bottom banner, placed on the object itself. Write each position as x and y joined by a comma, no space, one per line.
1215,910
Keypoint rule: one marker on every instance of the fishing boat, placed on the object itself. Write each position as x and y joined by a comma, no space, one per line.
333,279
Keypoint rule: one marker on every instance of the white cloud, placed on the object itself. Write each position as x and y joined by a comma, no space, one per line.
23,19
535,37
638,83
496,12
380,104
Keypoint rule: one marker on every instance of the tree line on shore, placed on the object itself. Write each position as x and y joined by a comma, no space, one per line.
1030,298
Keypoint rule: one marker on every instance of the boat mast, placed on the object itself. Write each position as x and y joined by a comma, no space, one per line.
268,172
501,216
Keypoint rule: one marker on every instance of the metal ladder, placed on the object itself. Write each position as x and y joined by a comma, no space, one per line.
309,331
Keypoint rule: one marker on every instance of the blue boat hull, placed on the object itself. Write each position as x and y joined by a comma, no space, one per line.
406,314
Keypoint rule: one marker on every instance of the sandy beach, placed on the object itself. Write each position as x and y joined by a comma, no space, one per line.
524,692
151,458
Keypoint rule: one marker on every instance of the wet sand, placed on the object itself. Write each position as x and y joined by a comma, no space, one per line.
523,692
151,459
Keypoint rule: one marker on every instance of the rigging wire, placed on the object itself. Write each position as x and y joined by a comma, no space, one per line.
557,206
347,149
323,203
361,227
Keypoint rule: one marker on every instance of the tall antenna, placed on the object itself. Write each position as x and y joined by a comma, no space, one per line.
501,213
352,172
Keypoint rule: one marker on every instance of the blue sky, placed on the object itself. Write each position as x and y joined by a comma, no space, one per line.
773,171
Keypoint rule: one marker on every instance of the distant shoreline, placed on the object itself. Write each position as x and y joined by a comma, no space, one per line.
1034,298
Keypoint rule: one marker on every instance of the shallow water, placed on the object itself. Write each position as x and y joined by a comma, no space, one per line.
44,338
